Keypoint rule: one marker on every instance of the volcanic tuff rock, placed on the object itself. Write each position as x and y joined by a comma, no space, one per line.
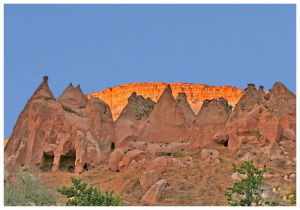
210,121
131,119
71,133
258,114
154,193
166,123
186,109
116,97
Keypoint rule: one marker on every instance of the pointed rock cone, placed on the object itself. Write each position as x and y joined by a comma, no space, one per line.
262,94
43,91
210,120
186,109
46,137
19,147
166,123
282,100
131,119
73,98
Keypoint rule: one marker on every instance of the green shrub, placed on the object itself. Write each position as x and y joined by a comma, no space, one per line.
249,190
178,154
79,195
28,191
257,134
292,197
159,154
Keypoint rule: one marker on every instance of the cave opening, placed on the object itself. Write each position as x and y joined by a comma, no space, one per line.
112,146
85,167
67,163
47,162
226,143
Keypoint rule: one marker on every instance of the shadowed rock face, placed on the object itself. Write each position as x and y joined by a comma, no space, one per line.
186,109
166,123
131,119
48,135
210,120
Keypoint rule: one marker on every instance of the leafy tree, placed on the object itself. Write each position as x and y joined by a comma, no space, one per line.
79,195
249,190
27,190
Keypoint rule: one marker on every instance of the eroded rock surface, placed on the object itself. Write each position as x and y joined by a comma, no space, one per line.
68,134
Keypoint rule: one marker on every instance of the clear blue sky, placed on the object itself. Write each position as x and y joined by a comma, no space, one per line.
100,46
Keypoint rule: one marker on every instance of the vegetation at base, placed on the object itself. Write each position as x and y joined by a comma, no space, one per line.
248,191
160,154
178,154
79,195
27,190
292,197
257,134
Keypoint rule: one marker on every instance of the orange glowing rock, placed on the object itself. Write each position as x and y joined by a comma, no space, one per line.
117,96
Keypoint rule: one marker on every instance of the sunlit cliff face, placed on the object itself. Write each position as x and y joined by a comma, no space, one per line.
117,96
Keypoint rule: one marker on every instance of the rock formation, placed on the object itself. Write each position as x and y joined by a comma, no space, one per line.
261,116
116,97
154,193
132,119
69,134
186,109
166,123
210,121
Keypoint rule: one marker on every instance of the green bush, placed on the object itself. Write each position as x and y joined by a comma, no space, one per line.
248,191
79,195
28,191
160,154
178,154
257,134
292,197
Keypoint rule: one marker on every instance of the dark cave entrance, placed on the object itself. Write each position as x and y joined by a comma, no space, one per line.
112,146
85,167
226,143
67,163
47,162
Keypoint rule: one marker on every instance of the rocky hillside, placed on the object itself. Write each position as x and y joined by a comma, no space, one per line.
116,97
158,152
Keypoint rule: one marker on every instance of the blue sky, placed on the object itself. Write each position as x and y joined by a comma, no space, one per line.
100,46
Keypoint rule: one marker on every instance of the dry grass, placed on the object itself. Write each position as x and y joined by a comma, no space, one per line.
196,185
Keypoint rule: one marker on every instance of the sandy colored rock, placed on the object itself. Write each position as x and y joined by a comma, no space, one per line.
210,120
186,109
130,156
131,119
49,136
72,98
207,153
114,159
258,114
152,196
148,178
273,151
116,97
289,134
161,164
166,122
